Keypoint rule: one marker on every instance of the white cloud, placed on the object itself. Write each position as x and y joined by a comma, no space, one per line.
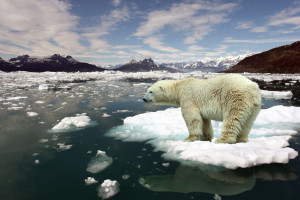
39,26
244,25
156,43
195,48
116,2
259,29
288,16
108,22
196,19
262,41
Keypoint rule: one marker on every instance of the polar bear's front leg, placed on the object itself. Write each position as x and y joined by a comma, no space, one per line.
207,130
194,123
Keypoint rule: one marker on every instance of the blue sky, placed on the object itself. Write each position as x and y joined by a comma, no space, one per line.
115,31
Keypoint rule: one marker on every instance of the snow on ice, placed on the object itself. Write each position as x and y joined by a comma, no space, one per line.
31,114
108,189
276,94
90,181
165,130
69,123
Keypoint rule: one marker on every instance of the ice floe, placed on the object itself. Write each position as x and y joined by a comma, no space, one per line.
90,181
276,94
165,130
43,87
98,163
15,108
108,189
32,114
71,123
63,146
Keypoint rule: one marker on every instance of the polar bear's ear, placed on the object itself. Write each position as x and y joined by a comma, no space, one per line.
162,89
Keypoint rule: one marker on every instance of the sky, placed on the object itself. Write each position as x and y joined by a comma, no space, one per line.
110,32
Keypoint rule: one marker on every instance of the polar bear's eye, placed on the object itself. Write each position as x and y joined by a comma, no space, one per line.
151,92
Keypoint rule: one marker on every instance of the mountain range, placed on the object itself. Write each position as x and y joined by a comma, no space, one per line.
54,63
284,59
207,65
145,65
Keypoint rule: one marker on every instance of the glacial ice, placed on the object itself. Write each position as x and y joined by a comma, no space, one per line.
165,130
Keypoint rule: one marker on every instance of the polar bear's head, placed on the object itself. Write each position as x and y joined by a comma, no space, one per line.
159,92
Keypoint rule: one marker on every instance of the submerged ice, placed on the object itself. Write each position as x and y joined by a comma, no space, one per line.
165,130
98,163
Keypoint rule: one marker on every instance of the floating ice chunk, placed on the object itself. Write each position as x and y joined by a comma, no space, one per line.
106,115
276,94
66,124
165,130
108,189
16,98
217,197
15,108
166,164
122,111
40,102
90,181
43,140
98,163
31,114
36,162
63,146
43,87
125,176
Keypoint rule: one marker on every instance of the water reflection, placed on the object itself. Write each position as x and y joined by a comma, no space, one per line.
216,181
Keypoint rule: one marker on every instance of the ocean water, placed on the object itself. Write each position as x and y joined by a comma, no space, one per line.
39,163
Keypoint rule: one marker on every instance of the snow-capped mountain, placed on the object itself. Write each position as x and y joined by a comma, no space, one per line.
55,63
207,64
144,65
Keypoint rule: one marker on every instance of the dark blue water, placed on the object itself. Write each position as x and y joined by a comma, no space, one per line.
61,174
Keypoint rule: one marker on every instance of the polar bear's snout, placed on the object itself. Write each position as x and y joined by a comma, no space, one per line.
146,99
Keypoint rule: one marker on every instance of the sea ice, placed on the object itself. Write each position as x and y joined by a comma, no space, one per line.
276,94
40,102
66,124
31,114
63,146
90,181
98,163
108,189
106,115
16,98
165,130
43,87
15,108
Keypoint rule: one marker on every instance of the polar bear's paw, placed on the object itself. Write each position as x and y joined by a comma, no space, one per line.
192,138
228,140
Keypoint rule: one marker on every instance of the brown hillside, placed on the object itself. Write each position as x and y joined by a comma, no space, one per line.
284,59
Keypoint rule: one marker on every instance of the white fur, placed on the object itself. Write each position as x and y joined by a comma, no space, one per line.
231,98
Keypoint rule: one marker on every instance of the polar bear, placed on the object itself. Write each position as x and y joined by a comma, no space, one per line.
231,98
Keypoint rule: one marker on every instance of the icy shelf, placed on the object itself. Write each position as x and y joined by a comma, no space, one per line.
165,130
